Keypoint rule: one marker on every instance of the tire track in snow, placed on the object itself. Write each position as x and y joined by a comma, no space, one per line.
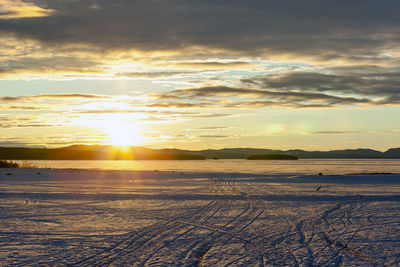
334,225
267,240
204,248
175,238
161,231
214,187
340,245
236,232
133,237
198,251
214,229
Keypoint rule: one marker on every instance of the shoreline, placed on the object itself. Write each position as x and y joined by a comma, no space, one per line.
298,167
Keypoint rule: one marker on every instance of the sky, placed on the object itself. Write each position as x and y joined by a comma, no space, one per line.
314,75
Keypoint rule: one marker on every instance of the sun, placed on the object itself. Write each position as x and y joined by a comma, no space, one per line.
120,138
117,129
123,133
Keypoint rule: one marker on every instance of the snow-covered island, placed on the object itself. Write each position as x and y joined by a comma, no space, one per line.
61,217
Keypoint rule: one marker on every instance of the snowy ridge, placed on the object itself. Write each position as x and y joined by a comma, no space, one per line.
133,218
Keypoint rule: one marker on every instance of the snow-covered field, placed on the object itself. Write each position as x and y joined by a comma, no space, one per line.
130,218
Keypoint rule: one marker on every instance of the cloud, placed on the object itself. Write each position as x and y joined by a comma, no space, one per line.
47,64
347,85
181,104
13,9
222,94
125,39
199,67
215,65
76,95
117,38
22,122
255,104
26,107
9,143
53,105
212,128
336,29
54,96
210,115
336,132
152,114
379,87
10,98
213,136
356,132
151,75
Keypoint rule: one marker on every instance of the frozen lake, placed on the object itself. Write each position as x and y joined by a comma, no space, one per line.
151,218
302,166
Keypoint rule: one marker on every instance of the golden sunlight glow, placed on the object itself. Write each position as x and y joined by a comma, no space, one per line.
123,134
11,9
119,129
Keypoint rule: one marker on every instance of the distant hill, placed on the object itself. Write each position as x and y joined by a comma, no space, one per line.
82,152
392,153
272,157
98,152
242,153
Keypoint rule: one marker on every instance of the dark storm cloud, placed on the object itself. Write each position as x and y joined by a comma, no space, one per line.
326,29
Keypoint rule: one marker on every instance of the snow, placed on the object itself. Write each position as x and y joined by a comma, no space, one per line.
151,218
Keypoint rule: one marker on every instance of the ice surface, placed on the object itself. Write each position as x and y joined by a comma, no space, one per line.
148,218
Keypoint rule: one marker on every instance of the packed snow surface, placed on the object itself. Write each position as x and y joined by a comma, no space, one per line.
148,218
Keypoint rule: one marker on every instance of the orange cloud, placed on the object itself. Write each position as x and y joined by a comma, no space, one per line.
14,9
